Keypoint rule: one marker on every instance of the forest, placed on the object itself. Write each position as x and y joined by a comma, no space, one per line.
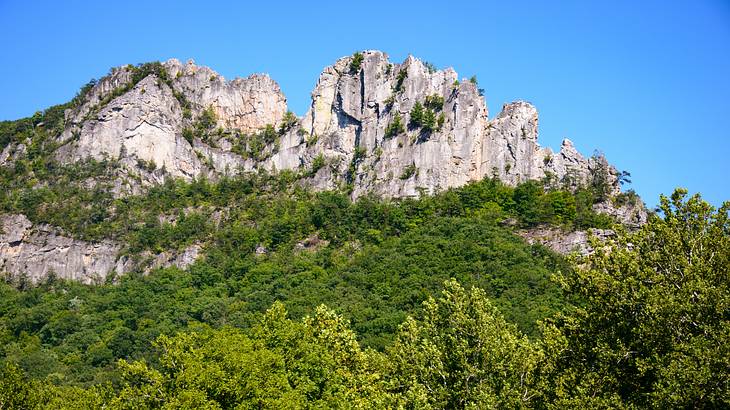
418,303
308,299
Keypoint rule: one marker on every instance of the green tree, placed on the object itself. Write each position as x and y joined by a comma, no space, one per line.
416,117
462,354
395,127
652,327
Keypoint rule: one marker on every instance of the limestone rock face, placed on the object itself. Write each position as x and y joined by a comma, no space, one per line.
630,215
143,127
246,104
143,124
352,109
346,126
35,252
566,243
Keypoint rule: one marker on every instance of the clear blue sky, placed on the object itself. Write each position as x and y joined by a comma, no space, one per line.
647,82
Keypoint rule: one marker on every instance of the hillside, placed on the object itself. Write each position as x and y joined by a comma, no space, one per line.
171,239
374,128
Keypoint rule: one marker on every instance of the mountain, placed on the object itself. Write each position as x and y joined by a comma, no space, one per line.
173,240
373,128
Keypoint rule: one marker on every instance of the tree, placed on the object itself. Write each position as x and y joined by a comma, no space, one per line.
416,117
653,324
462,354
356,62
395,127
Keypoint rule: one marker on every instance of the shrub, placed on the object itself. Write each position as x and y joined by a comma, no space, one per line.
356,62
317,164
188,134
402,75
208,118
430,67
434,102
416,116
408,172
311,140
288,122
395,127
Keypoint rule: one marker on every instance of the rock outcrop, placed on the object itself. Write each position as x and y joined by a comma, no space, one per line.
32,253
347,125
395,130
566,243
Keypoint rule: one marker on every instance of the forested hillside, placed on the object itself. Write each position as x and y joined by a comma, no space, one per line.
281,288
642,323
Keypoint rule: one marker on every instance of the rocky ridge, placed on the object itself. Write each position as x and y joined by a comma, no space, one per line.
32,253
347,124
361,131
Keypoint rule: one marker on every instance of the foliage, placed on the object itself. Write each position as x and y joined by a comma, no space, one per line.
409,171
356,62
288,122
462,354
399,79
208,119
375,251
254,145
425,117
430,67
395,126
646,327
654,329
317,164
434,102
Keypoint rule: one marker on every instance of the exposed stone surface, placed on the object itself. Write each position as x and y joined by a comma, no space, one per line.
34,252
631,215
563,242
349,115
178,259
346,125
246,104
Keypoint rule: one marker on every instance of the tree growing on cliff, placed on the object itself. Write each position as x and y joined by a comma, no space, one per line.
653,324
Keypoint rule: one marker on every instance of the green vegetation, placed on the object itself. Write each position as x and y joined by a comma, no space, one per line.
381,260
253,145
289,121
409,171
434,102
356,62
395,126
399,79
430,67
424,117
645,326
317,164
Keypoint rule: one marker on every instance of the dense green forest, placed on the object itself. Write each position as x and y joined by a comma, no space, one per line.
644,323
308,299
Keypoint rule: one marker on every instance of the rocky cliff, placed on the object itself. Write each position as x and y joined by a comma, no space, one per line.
346,128
395,130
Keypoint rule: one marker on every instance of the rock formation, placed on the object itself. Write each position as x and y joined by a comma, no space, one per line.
33,253
347,124
395,130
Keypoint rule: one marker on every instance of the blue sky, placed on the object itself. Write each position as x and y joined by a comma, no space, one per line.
648,82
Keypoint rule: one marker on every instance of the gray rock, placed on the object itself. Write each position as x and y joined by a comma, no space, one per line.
34,253
181,260
632,216
349,114
566,243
